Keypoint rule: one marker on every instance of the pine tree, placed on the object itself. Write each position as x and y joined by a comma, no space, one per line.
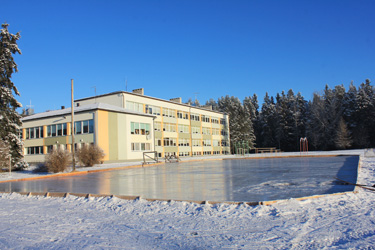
350,107
364,132
240,125
10,120
267,123
316,122
342,139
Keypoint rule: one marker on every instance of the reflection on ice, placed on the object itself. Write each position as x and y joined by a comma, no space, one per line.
228,180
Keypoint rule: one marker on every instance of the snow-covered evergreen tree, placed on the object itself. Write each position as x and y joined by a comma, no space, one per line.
316,122
240,125
349,107
267,123
364,131
343,139
10,120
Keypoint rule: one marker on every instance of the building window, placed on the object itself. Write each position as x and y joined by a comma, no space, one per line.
205,118
196,143
206,131
183,128
223,121
137,128
169,142
183,142
195,130
215,120
135,106
82,127
34,133
169,127
157,126
152,110
195,117
206,143
215,143
158,142
140,146
184,153
182,115
224,143
169,112
215,131
34,150
57,130
224,132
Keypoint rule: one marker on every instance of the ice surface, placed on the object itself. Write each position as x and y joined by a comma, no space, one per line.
228,180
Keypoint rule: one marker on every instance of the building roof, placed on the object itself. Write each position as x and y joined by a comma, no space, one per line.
149,97
83,108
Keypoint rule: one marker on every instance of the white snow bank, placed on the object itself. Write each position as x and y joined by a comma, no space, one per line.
338,221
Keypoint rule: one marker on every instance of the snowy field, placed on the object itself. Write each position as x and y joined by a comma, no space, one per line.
335,221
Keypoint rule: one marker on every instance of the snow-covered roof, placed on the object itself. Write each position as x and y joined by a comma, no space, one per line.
149,97
83,108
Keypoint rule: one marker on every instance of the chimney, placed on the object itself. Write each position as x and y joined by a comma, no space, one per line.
208,107
62,107
178,100
140,91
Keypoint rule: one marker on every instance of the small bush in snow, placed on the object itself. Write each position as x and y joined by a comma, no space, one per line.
90,155
58,160
20,165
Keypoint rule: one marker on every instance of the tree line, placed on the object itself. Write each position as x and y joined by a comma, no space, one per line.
335,118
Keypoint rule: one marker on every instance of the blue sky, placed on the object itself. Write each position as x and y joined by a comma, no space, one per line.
178,48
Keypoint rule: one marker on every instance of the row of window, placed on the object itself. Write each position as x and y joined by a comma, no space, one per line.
57,130
138,128
182,142
80,127
205,118
39,149
183,128
149,109
140,146
182,115
152,110
206,131
84,127
36,132
169,112
135,106
34,150
169,127
194,117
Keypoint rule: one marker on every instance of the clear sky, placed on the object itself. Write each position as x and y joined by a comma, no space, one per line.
179,48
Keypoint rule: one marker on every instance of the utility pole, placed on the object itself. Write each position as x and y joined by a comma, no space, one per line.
72,132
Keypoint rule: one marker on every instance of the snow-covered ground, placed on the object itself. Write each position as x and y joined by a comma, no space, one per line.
334,221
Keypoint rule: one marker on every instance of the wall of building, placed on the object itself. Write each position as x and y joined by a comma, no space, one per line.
144,104
115,138
63,141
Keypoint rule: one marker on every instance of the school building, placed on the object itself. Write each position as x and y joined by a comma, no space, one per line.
126,124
